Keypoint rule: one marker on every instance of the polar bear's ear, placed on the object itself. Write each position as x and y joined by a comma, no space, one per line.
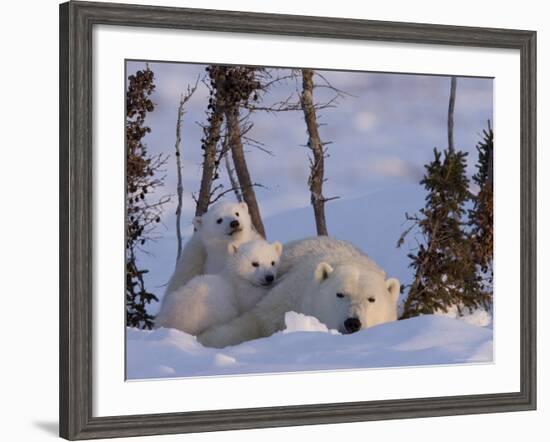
197,222
278,247
394,287
323,271
244,206
232,248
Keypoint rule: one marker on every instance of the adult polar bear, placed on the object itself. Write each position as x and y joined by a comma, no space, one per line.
322,277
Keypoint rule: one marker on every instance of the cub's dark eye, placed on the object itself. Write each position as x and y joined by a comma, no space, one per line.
371,299
219,220
272,263
255,264
236,213
340,295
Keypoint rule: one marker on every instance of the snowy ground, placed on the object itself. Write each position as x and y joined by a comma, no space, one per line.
307,345
372,222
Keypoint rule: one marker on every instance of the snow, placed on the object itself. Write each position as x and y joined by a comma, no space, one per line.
296,322
373,222
307,345
479,317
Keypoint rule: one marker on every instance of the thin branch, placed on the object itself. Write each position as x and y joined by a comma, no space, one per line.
232,178
330,86
226,154
183,100
234,189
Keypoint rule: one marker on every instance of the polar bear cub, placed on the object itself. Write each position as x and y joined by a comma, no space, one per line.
208,300
207,250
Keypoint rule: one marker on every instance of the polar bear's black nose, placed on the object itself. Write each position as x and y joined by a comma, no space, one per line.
352,325
234,224
269,278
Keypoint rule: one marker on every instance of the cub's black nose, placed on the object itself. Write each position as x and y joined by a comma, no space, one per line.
234,224
269,278
352,325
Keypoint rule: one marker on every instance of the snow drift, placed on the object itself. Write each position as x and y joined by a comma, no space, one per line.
307,345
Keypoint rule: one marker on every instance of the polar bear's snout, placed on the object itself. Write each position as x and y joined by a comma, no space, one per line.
269,278
352,325
234,227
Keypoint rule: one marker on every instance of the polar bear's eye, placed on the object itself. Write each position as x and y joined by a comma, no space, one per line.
219,220
236,213
340,295
255,264
272,263
371,299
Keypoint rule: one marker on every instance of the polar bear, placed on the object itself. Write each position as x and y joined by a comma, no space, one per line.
321,277
208,300
206,252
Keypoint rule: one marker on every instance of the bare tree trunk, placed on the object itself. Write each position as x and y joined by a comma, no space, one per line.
179,187
212,133
317,163
247,189
450,115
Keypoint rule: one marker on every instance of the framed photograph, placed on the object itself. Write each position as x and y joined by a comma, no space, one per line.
271,220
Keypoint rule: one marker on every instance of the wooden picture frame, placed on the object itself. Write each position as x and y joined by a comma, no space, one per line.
76,164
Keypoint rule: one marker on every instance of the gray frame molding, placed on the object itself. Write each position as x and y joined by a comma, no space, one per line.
76,22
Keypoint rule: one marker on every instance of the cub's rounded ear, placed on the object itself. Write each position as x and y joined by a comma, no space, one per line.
278,247
232,248
197,222
323,271
244,206
394,287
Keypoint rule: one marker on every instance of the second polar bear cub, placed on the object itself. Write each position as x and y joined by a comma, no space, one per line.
208,300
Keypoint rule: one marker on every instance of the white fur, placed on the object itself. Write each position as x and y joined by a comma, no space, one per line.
313,271
206,251
209,300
